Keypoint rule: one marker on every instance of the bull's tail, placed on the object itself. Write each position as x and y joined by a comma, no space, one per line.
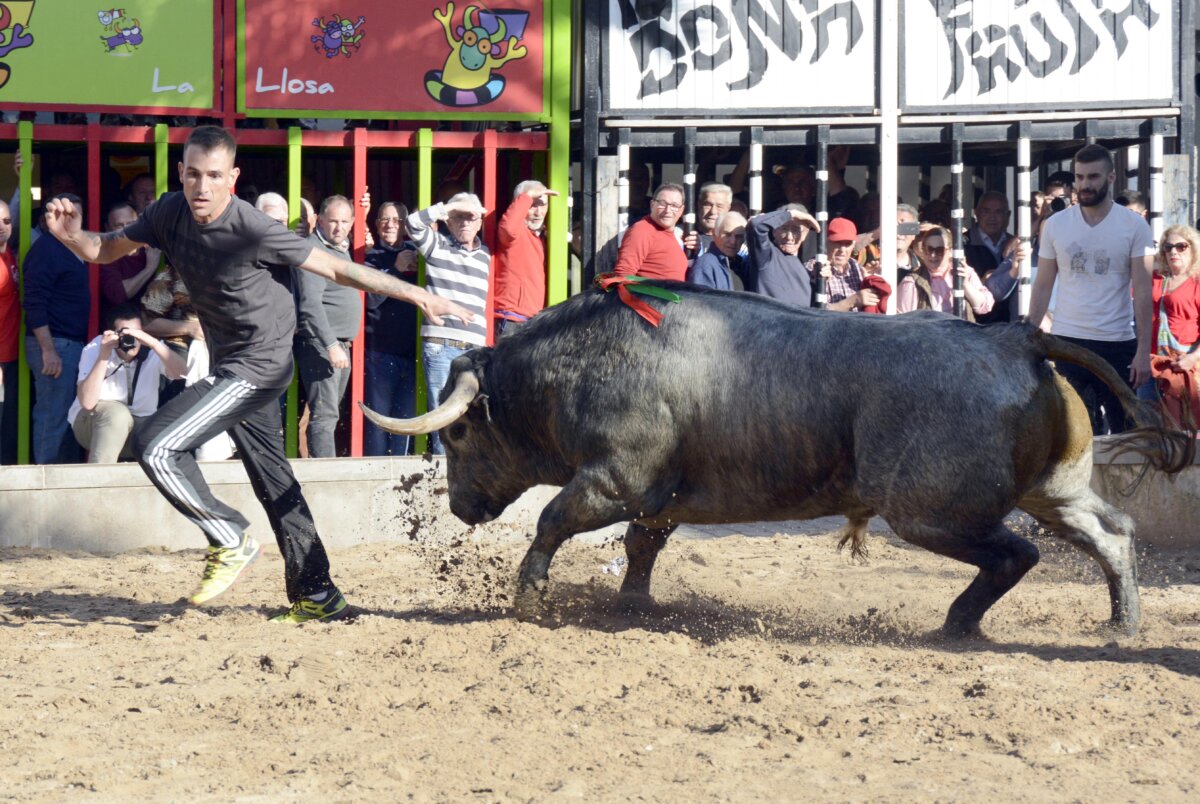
1165,448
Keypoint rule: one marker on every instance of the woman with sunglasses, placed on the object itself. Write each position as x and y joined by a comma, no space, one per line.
931,287
1176,294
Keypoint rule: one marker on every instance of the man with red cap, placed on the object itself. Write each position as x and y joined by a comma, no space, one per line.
844,277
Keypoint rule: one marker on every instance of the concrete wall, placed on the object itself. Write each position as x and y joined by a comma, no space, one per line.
109,509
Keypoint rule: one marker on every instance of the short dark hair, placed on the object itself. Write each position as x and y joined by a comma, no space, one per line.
74,199
121,312
1094,153
670,185
335,199
211,138
118,205
1128,197
401,210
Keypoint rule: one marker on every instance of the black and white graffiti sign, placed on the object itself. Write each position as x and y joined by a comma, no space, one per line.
1032,53
731,55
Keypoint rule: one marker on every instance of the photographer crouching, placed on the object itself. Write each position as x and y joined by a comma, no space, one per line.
119,376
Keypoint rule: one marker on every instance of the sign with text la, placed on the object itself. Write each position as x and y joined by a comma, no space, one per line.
740,56
393,58
147,55
1039,54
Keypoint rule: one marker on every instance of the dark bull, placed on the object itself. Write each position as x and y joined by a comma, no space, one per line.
739,408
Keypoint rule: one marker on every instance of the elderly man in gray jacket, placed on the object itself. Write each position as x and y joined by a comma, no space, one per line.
328,317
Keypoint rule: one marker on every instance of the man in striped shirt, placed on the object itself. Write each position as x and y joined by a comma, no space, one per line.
456,268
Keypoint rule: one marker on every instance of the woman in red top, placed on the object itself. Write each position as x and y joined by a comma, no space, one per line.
1176,294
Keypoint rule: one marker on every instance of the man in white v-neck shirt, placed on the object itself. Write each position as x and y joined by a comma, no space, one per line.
1102,256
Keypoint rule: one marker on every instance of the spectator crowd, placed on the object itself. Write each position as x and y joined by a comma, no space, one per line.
1100,281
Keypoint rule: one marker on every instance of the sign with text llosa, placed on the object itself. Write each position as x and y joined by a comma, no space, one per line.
146,55
393,59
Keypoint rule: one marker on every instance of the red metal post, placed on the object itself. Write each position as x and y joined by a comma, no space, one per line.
357,353
491,222
93,220
226,47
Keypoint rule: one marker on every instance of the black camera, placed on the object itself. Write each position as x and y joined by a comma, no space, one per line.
1058,204
127,343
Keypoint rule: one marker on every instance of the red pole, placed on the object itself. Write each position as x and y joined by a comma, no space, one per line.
93,221
491,223
226,101
357,354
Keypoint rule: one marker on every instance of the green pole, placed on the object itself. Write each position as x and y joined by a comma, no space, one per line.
292,426
25,185
560,148
162,161
424,199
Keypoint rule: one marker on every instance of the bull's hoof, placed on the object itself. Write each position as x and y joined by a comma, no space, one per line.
1123,627
529,604
635,602
956,630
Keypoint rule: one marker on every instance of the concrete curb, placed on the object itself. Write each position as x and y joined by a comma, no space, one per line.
113,508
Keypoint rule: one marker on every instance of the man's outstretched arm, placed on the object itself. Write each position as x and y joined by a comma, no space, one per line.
64,220
371,280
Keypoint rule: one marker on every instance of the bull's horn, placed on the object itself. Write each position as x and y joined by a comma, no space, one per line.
449,411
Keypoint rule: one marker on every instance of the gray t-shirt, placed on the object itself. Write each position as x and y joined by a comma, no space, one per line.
238,272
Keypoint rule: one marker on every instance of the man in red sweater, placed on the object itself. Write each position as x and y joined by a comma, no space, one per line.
520,264
651,247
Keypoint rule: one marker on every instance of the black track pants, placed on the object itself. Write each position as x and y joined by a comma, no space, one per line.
251,415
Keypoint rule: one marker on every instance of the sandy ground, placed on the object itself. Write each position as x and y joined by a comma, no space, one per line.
772,668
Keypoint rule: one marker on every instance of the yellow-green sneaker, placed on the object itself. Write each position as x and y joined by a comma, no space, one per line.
223,566
304,610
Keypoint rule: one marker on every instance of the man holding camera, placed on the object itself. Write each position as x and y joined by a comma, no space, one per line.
119,374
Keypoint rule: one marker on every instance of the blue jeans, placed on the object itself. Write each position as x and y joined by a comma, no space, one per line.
53,441
324,386
1148,391
437,357
391,390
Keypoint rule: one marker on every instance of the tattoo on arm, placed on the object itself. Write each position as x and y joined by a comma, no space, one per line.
371,280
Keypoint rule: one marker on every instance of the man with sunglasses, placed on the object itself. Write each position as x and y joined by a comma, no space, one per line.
651,247
1098,251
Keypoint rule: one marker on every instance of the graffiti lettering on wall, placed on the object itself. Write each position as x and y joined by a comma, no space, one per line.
1041,38
738,41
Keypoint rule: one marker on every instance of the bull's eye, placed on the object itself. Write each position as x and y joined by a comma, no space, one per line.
470,38
456,431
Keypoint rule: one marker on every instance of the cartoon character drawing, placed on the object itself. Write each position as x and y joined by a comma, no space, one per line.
486,41
128,33
107,18
14,31
337,36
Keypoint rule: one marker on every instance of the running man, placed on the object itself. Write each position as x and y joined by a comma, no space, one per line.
236,262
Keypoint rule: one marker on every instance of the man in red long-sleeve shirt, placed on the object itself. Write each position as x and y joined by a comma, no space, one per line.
650,247
520,264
